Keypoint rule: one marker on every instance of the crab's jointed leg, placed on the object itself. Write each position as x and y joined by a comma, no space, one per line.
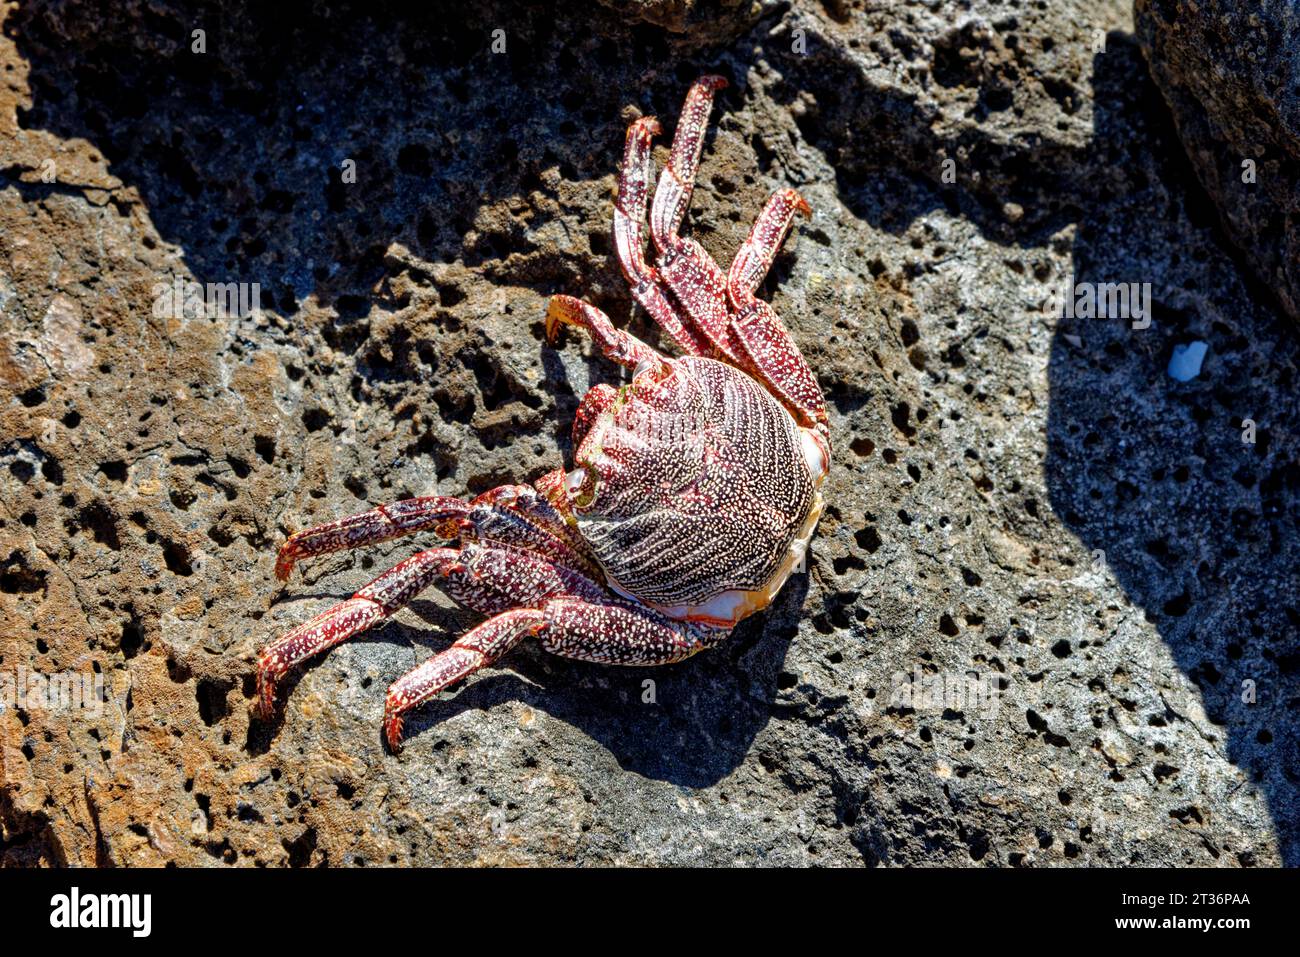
531,524
379,599
588,629
619,346
677,181
770,350
599,398
617,633
477,648
379,524
694,278
510,515
629,240
527,501
755,256
484,578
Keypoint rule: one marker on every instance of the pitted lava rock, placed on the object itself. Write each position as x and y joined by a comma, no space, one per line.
1025,501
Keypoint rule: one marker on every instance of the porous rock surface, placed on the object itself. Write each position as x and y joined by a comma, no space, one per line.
1025,500
1230,71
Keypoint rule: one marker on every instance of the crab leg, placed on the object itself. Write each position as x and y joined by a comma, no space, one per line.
543,526
614,633
368,528
677,182
619,346
586,629
478,647
769,231
629,238
598,399
691,274
379,599
487,579
511,527
511,515
763,338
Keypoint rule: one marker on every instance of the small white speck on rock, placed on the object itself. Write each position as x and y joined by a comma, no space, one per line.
1185,363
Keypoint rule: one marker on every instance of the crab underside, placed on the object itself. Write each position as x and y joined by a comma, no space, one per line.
696,486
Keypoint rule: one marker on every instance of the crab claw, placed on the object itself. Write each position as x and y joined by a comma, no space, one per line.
615,344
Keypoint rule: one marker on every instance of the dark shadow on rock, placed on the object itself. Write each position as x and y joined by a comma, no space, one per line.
1198,526
890,162
690,724
237,154
240,152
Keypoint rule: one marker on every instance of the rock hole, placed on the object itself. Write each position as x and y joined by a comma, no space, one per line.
19,578
177,558
211,696
867,538
265,448
300,848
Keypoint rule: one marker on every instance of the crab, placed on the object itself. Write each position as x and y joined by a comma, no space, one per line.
696,486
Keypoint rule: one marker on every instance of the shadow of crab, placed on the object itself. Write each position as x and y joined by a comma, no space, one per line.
690,724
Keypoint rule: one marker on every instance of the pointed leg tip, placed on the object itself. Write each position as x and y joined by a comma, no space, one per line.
393,732
562,310
646,126
264,705
284,560
713,82
791,196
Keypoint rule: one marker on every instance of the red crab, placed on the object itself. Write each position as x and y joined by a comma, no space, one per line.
696,487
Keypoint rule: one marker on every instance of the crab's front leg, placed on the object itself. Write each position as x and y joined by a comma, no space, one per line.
599,399
617,345
606,631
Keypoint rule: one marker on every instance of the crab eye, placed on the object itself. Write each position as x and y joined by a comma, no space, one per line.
580,486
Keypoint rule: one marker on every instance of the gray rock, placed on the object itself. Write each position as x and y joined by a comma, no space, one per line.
985,452
1230,72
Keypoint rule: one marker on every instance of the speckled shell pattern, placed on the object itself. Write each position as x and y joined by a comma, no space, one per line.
700,484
